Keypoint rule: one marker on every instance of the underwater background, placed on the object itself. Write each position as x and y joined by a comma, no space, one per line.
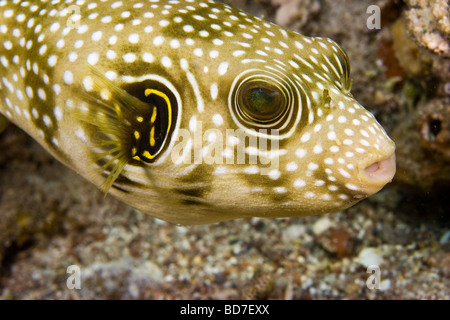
51,218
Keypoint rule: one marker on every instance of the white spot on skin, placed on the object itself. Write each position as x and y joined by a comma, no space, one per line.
319,183
299,183
129,57
29,92
8,45
188,28
292,166
214,54
52,60
93,58
73,56
251,170
111,55
82,29
300,153
175,44
35,113
96,36
305,137
344,173
42,94
164,23
217,119
111,75
274,174
198,52
60,43
309,195
317,149
88,84
332,136
106,19
351,186
57,89
78,44
214,91
348,142
112,40
223,68
166,62
159,40
58,113
79,133
68,77
349,132
280,190
148,57
326,197
334,149
47,120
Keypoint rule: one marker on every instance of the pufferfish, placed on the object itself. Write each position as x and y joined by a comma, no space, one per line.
191,111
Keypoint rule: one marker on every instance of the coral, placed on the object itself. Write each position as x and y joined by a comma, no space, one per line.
407,52
429,22
434,128
423,140
295,13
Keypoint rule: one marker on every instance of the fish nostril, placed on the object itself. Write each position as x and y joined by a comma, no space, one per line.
381,171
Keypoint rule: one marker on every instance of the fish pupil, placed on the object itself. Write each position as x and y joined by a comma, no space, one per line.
262,101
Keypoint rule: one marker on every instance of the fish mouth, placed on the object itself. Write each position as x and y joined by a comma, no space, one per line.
378,173
381,171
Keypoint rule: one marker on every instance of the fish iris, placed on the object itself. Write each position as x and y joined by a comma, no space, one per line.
262,102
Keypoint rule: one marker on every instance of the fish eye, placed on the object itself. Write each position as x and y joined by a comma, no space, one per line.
261,102
265,100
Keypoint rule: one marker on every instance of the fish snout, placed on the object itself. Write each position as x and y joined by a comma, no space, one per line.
378,173
381,171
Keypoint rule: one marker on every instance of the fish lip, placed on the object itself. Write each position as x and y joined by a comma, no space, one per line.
382,175
385,156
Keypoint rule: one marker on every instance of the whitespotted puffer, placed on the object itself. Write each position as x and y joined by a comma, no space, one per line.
191,111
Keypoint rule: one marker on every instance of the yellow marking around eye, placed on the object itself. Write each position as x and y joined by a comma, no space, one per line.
152,137
148,155
140,119
133,152
137,135
166,98
137,158
155,112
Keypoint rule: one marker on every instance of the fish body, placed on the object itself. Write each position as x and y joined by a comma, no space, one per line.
191,111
